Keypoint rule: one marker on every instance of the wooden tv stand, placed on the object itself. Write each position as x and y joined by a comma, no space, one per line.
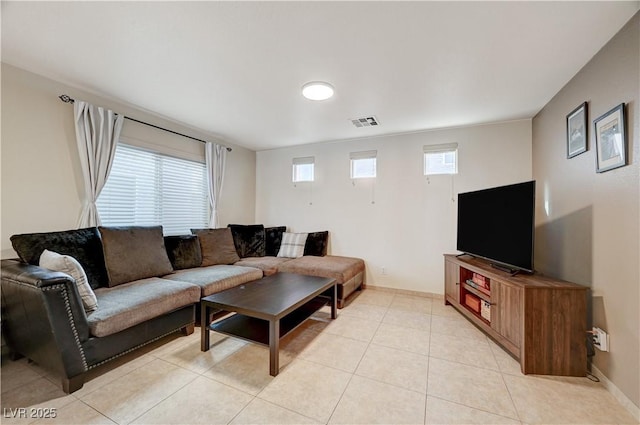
542,322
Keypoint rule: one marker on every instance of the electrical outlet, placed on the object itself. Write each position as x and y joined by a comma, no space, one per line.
600,339
384,271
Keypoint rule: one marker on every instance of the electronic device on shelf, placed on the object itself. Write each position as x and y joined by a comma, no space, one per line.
498,224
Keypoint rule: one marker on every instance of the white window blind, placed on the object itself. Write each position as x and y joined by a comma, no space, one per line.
303,169
441,159
146,188
363,164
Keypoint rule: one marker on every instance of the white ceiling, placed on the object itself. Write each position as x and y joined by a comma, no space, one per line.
235,69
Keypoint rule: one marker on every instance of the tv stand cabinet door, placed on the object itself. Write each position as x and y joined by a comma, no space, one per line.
452,281
507,311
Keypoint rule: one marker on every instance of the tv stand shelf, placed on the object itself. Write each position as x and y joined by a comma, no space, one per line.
542,322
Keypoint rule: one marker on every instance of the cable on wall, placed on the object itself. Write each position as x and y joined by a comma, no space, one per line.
373,192
453,197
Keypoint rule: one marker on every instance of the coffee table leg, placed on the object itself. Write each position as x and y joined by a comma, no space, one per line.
204,327
334,302
274,347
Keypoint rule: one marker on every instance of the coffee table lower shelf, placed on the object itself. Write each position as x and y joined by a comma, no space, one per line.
257,330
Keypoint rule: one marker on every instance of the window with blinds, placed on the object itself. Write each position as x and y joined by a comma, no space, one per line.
441,159
147,188
303,169
363,164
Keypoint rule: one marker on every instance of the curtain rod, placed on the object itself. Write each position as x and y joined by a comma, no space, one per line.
67,99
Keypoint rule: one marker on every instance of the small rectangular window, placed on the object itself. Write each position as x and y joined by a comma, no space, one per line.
441,159
303,169
363,164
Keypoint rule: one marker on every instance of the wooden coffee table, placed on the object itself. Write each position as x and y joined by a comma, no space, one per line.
267,309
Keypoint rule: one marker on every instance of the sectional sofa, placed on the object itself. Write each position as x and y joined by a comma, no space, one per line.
79,298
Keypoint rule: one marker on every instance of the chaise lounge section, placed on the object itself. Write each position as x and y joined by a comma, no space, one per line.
259,247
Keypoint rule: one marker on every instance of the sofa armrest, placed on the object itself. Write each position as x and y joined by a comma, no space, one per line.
43,317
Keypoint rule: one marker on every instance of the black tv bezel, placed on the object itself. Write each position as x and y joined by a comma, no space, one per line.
496,263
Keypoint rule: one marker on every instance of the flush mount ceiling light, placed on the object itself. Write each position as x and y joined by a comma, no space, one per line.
317,90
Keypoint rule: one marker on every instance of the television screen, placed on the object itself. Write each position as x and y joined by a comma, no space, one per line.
498,224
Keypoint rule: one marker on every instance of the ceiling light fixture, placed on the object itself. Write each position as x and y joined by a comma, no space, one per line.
317,90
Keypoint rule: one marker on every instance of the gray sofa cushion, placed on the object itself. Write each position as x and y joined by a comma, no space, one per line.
339,268
268,265
217,246
184,251
217,278
133,253
131,303
82,244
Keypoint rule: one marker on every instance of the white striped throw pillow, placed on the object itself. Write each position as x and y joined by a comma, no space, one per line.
292,245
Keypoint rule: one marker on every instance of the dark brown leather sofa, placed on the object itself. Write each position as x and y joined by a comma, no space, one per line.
43,317
44,320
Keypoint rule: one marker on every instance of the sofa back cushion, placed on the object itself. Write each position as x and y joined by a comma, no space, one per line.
134,252
82,244
273,239
184,251
217,246
249,240
317,243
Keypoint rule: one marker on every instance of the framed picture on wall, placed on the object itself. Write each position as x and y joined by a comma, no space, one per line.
611,140
577,131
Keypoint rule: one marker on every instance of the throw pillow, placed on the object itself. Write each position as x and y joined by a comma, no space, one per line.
317,244
133,253
69,265
249,240
292,245
273,239
217,246
82,244
184,251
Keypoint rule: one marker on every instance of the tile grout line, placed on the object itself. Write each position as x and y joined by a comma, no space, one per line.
426,391
97,411
515,407
499,371
164,398
358,365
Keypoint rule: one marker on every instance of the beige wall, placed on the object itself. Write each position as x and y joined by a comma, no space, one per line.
41,178
588,223
413,220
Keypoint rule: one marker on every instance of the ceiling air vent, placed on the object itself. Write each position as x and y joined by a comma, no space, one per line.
365,122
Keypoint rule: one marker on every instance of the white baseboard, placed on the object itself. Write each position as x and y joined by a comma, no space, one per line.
405,292
616,393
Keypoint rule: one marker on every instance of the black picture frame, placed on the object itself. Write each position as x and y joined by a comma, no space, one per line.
577,133
611,139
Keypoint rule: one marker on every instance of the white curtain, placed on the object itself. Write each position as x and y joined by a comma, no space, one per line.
97,134
215,158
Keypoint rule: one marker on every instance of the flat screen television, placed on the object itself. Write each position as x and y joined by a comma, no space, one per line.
497,224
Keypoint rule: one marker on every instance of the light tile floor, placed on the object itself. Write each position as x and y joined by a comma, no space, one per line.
388,358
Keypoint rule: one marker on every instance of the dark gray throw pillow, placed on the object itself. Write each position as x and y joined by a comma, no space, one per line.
249,240
273,240
132,253
217,246
184,251
82,244
317,243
